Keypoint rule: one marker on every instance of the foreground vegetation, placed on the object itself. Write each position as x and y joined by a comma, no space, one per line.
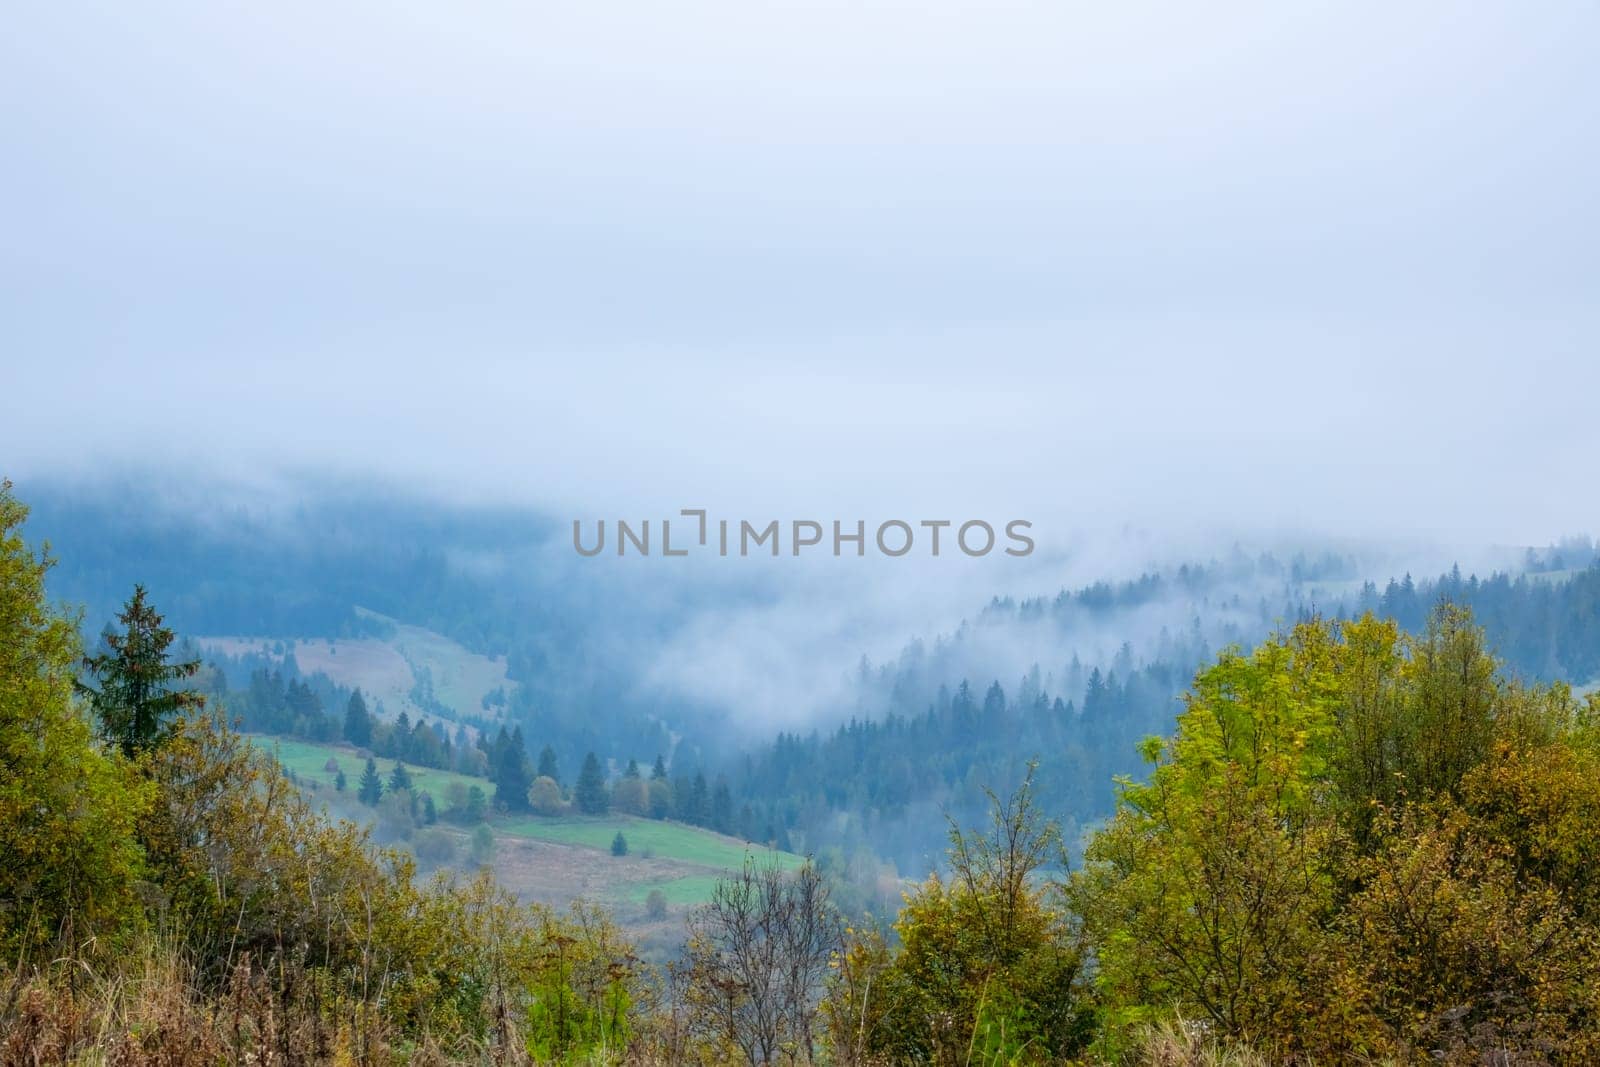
1358,847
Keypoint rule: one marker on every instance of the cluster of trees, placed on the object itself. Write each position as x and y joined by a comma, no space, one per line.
150,846
278,700
1360,845
880,779
243,571
522,786
1543,625
885,782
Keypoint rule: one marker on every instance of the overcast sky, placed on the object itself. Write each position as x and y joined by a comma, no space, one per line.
1290,266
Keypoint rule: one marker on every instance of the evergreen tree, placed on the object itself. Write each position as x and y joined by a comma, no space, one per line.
430,813
722,808
619,845
699,807
135,694
399,737
371,789
477,804
658,773
357,721
590,792
400,778
633,769
547,765
512,775
339,782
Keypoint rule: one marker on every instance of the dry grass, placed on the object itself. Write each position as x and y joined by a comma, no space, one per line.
1181,1043
152,1014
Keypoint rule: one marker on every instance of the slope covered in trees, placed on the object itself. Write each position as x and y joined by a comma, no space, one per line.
880,782
1359,845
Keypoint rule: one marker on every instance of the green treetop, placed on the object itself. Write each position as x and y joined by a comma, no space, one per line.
135,695
371,790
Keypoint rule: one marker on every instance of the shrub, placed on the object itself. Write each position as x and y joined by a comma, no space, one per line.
544,796
434,847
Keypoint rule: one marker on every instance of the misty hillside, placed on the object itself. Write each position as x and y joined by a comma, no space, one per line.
570,659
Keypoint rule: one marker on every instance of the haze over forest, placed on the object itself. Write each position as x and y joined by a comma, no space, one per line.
322,327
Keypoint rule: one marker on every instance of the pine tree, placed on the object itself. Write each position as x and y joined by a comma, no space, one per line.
659,771
632,771
400,737
400,778
722,808
371,790
357,721
135,697
339,782
477,804
430,813
548,767
699,808
590,792
619,845
509,766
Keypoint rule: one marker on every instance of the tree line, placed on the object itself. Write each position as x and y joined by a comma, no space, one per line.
1357,845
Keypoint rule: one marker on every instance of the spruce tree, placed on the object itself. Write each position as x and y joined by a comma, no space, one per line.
590,792
722,808
509,766
547,765
619,845
699,808
399,778
371,790
135,696
477,805
357,721
659,771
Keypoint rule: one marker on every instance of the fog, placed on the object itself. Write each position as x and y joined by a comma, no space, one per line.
1240,271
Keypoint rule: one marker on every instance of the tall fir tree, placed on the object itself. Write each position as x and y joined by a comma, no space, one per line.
699,807
659,771
135,695
590,792
357,721
722,808
399,778
371,790
548,768
512,775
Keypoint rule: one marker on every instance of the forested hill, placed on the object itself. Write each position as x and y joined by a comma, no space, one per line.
303,572
493,580
882,784
1075,678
